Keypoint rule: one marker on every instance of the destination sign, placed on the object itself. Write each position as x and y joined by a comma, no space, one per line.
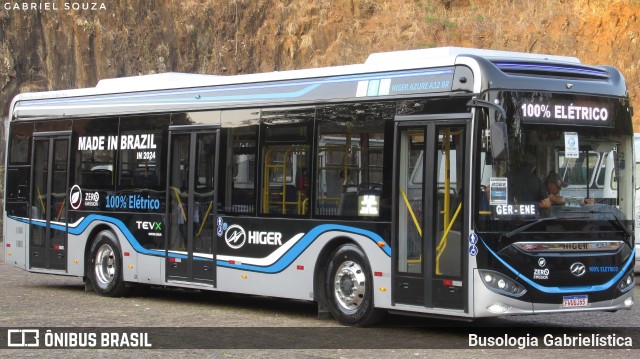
554,111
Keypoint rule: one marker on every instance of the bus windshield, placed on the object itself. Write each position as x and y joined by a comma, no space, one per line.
568,167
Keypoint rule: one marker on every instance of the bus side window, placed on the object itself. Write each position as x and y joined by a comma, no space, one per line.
284,177
350,160
140,143
93,165
285,161
240,175
18,170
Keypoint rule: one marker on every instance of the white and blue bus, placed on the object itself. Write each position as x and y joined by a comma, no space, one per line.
370,188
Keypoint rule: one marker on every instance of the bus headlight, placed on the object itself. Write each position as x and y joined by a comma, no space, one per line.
501,284
627,282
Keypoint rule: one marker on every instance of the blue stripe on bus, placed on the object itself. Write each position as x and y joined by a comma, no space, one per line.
281,264
87,221
303,244
562,290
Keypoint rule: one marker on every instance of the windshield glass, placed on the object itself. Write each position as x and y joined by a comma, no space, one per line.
569,160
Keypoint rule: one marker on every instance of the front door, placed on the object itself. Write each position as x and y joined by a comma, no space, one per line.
190,245
431,170
48,229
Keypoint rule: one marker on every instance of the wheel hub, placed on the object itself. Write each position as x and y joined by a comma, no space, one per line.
349,285
105,265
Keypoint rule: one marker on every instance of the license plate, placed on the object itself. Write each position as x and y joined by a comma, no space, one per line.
574,301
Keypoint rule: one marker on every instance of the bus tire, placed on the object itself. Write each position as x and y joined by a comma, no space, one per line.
105,266
350,287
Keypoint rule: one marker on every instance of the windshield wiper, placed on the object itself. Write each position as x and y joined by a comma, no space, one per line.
621,224
529,225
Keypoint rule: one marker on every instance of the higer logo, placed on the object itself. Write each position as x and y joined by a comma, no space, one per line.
149,226
578,269
236,237
268,238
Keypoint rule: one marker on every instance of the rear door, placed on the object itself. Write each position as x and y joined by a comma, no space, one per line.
193,177
48,215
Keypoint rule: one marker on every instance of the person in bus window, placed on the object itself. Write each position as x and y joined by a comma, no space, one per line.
526,187
554,184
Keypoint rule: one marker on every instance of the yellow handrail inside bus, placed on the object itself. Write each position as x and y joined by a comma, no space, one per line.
447,179
184,215
413,215
64,201
443,242
270,165
205,218
44,211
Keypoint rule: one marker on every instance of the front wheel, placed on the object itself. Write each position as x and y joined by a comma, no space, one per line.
105,266
350,287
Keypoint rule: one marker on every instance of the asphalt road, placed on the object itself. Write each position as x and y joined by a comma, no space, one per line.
260,327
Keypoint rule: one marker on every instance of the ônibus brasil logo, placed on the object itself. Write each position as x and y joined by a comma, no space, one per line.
75,197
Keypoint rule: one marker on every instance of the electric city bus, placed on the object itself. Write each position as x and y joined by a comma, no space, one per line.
378,187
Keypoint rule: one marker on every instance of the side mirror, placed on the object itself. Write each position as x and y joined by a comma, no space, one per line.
499,141
497,128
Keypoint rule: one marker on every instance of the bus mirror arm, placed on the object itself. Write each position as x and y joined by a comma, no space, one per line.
497,129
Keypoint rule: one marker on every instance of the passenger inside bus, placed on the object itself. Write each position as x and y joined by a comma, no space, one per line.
526,186
554,184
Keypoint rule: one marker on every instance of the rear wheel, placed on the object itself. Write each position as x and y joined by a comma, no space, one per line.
350,287
105,266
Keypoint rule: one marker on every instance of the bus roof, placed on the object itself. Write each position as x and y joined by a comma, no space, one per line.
169,92
383,61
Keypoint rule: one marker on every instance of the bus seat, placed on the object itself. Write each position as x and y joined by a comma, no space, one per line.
291,197
348,204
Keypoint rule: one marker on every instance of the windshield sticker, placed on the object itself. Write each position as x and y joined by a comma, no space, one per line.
571,146
498,191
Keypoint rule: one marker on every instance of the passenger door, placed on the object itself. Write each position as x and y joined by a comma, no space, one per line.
193,175
430,255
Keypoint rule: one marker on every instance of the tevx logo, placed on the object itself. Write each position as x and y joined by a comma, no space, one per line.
149,226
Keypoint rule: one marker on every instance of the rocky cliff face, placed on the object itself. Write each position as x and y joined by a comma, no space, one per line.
56,44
